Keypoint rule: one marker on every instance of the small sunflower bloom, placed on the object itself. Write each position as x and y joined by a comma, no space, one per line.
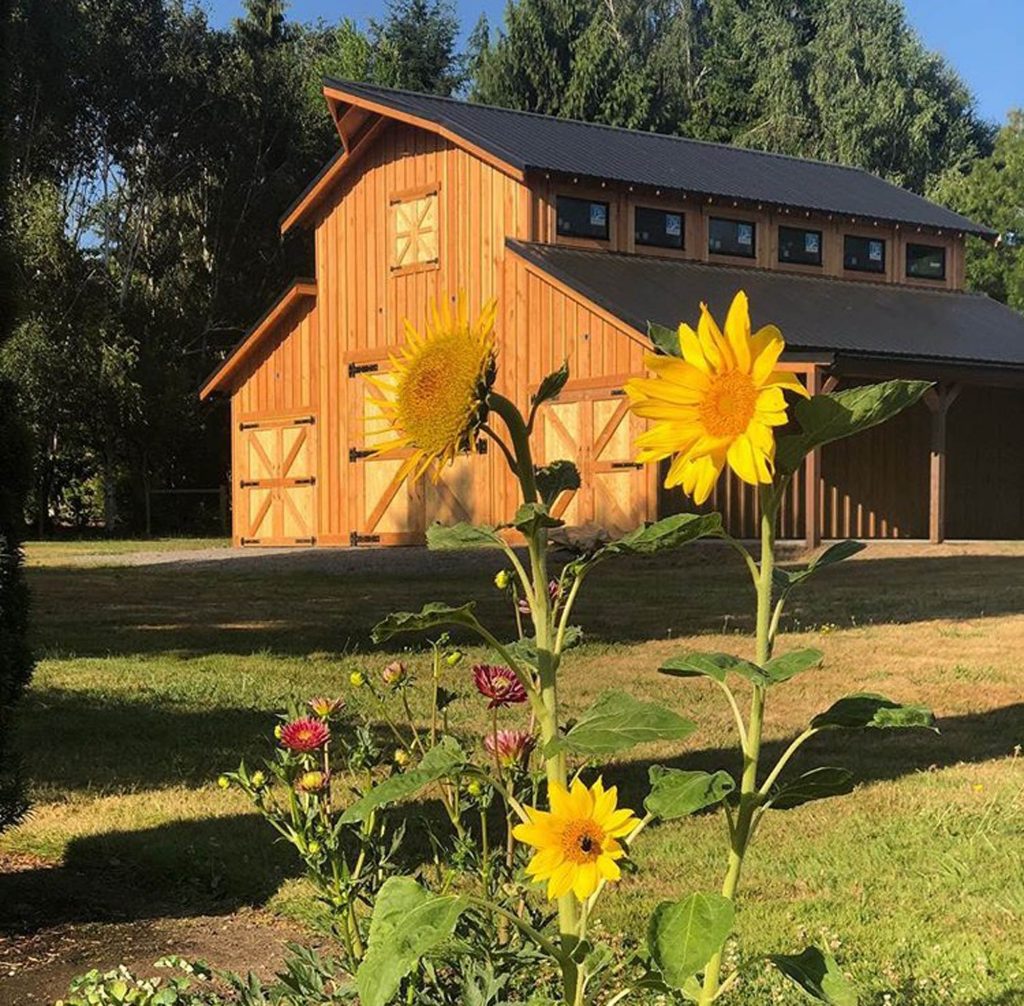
305,734
313,782
512,747
718,405
499,684
436,391
577,842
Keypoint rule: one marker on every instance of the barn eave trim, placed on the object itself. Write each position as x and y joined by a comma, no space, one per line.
220,381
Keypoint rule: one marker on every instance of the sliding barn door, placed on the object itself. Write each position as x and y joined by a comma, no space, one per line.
593,427
277,483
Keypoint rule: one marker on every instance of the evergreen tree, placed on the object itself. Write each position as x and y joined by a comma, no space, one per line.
416,47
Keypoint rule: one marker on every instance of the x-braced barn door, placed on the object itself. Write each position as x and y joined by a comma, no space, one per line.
382,509
593,427
277,487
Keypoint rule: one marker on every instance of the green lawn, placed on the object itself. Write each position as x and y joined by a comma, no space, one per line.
153,678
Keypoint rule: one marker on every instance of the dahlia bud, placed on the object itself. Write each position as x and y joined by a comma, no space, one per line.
314,847
325,708
474,788
258,780
401,757
503,579
277,731
394,674
313,781
223,781
356,679
453,658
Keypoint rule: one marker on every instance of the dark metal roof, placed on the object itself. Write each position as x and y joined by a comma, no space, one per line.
528,141
854,319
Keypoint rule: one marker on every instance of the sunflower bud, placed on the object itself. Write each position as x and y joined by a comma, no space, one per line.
503,579
394,674
356,679
401,757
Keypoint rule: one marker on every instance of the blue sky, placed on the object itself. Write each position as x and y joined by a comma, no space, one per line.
981,38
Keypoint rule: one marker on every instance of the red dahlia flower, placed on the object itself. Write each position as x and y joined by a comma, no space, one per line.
499,684
305,734
513,747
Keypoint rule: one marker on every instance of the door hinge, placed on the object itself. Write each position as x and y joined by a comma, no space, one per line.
249,541
626,464
311,481
362,368
304,541
355,538
618,392
355,454
248,483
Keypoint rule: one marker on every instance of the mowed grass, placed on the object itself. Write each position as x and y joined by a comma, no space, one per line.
153,678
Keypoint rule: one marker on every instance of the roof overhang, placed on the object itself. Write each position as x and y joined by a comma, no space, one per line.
221,379
854,328
358,120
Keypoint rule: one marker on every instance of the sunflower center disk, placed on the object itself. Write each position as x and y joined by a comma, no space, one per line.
436,398
729,404
581,841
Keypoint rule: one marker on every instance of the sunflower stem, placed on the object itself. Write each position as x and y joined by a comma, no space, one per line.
749,798
513,420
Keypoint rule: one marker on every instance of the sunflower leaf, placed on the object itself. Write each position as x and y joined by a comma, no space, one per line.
675,793
617,722
837,552
712,665
818,974
817,784
408,922
443,537
866,710
556,478
440,761
824,418
683,936
531,517
664,339
551,385
789,665
428,617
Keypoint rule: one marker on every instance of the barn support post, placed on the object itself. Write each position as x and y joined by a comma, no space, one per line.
812,476
938,400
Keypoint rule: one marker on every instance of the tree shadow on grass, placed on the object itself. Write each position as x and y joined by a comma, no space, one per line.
209,866
277,607
871,755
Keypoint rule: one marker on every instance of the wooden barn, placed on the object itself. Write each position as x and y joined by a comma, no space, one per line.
584,233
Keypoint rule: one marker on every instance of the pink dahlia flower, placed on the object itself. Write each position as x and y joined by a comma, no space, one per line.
305,734
513,747
499,684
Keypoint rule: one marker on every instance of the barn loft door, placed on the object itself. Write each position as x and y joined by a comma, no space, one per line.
382,509
278,482
594,428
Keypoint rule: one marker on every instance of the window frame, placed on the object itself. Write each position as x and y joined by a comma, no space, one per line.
862,270
585,239
653,246
914,277
735,256
796,263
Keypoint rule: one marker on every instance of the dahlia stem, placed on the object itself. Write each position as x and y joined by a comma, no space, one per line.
749,797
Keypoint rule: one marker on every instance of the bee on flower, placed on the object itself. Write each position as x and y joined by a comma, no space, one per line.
717,405
578,841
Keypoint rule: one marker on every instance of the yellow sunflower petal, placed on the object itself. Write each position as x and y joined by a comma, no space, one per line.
561,881
716,349
788,380
737,330
690,347
586,880
608,868
766,347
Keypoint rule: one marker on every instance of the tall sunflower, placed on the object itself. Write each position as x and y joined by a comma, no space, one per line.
717,405
577,842
436,390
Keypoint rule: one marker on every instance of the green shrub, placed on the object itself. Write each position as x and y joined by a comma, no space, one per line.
15,657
